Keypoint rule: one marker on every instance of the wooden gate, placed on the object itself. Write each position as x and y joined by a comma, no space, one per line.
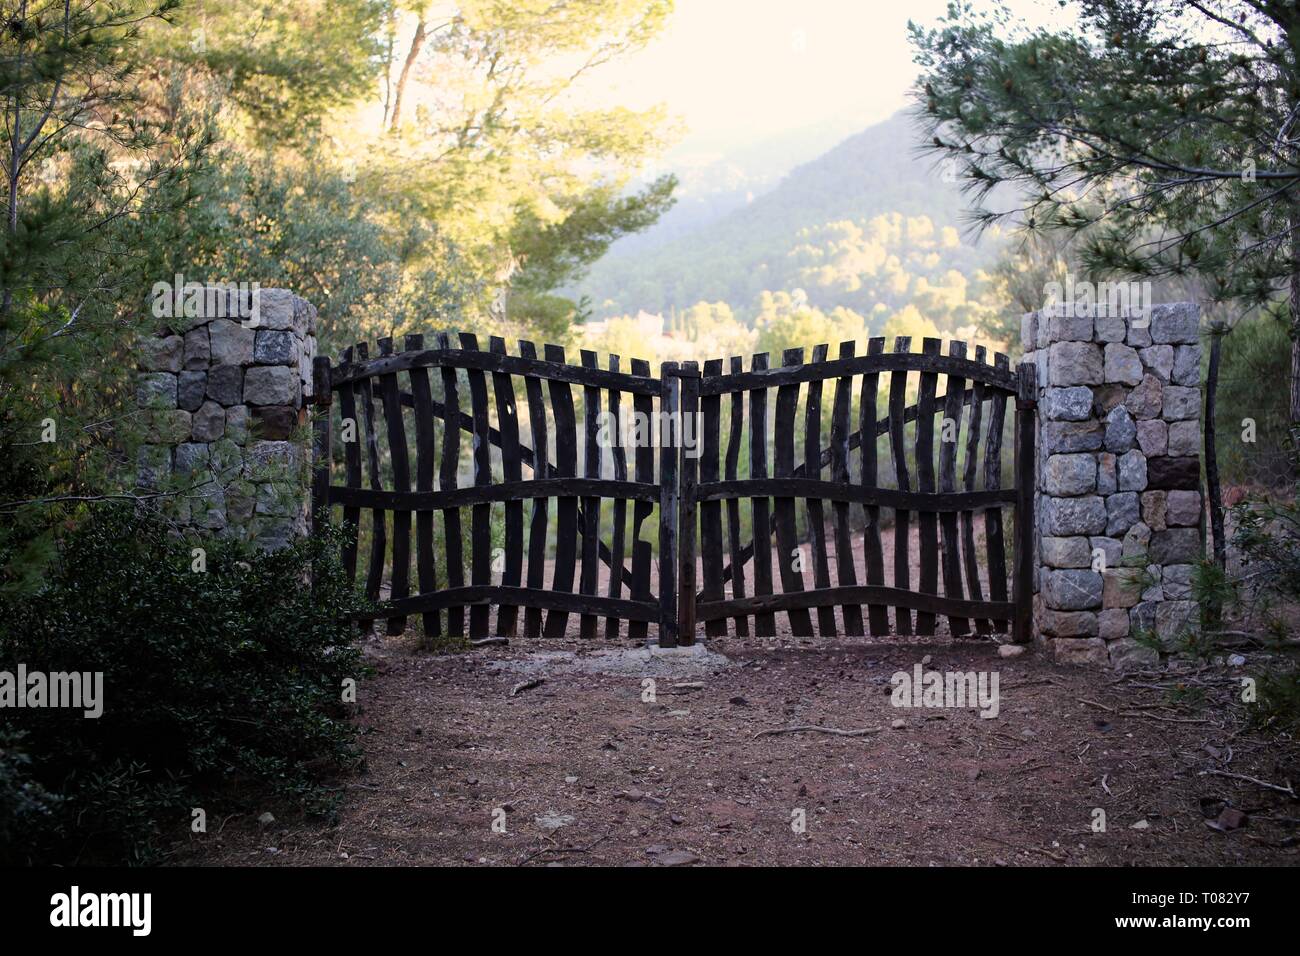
385,401
847,507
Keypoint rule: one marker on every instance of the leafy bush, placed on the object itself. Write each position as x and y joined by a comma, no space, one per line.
216,680
1258,350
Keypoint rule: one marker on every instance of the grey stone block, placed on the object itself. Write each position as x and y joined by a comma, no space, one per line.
1155,505
190,389
1072,624
1132,471
1184,438
1181,403
1063,438
1137,540
1177,582
1127,654
209,422
275,309
274,347
237,423
1109,550
1176,546
1074,363
198,350
231,343
272,385
1071,552
1159,360
1121,512
1184,508
1153,436
1072,589
1119,588
156,390
1174,619
1090,650
1073,404
1176,323
226,384
1121,430
1070,475
1187,365
1122,364
161,354
1065,517
1112,624
1107,473
1110,328
1147,399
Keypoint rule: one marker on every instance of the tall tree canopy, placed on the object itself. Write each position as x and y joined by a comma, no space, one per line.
1164,134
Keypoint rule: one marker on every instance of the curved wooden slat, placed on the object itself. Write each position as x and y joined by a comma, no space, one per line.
538,521
618,542
484,595
764,621
451,530
589,577
971,560
566,521
734,441
812,446
350,436
949,439
639,585
399,459
845,572
1002,379
872,546
503,394
902,519
993,479
862,594
927,521
425,457
462,358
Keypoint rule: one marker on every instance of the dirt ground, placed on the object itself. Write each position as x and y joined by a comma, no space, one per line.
582,770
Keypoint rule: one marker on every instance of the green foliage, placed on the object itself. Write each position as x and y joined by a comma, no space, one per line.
215,678
1257,350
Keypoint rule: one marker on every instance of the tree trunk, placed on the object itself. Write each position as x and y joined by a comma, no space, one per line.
1211,458
413,54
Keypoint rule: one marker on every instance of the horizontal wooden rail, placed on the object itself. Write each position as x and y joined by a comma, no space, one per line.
350,372
990,375
489,494
471,595
860,594
835,491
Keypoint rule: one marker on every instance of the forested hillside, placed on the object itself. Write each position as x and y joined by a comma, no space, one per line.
867,226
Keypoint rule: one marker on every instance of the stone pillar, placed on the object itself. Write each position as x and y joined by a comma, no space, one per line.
222,392
1119,477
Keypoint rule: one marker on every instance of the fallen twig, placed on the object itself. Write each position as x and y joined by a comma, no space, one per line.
562,849
813,728
1289,790
526,685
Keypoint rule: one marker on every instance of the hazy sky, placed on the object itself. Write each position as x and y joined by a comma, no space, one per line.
737,72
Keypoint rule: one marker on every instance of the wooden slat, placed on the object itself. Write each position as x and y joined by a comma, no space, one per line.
862,594
895,362
618,541
936,501
556,601
902,518
927,521
643,456
711,511
378,519
812,448
872,547
537,523
1026,405
544,488
733,505
765,621
503,393
399,458
993,479
350,435
968,482
688,520
508,364
787,536
321,450
425,457
480,532
949,439
589,578
451,531
669,404
566,460
845,572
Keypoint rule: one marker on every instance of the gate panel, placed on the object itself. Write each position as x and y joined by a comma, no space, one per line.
403,386
945,538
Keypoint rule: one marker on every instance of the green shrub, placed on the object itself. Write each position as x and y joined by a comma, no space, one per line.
217,683
1257,351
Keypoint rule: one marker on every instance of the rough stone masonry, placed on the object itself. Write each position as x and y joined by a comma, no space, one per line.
223,403
1118,498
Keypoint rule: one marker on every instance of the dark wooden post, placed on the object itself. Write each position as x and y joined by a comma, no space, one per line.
669,396
1026,488
322,398
690,476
